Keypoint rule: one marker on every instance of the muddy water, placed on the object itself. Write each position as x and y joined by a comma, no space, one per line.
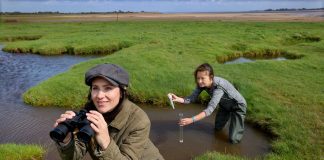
20,123
199,137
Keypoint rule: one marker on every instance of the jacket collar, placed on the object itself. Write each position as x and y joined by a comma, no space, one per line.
122,117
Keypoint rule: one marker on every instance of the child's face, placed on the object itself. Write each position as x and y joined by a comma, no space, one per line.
203,79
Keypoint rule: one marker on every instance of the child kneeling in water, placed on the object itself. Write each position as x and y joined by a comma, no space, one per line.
232,104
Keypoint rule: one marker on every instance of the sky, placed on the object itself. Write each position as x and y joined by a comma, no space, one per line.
164,6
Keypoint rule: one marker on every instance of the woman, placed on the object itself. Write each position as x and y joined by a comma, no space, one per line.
231,103
121,128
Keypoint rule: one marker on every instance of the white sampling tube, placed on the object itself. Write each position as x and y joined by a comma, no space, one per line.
171,101
180,129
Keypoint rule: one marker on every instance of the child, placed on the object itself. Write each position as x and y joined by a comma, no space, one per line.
231,103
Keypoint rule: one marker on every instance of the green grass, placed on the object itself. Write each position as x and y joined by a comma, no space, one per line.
216,155
285,98
21,152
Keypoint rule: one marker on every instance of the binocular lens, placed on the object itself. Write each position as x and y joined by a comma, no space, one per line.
59,133
85,134
79,121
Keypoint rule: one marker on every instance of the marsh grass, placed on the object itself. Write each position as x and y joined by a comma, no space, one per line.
216,155
285,98
302,37
20,38
21,152
266,53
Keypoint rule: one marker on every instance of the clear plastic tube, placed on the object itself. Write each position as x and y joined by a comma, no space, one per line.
180,129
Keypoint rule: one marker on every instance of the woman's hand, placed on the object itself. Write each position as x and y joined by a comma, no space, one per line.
185,121
176,98
99,125
65,116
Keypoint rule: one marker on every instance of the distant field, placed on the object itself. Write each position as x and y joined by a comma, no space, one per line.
288,16
285,98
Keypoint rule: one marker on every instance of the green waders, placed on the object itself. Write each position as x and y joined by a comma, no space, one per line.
236,114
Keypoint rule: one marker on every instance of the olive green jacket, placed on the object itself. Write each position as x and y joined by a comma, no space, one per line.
129,139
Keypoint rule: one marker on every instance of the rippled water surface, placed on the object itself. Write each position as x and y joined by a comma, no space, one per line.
21,123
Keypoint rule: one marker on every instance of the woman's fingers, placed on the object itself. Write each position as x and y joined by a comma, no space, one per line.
64,117
71,114
94,127
98,115
97,121
93,120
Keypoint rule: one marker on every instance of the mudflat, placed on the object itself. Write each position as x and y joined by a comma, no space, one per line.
282,16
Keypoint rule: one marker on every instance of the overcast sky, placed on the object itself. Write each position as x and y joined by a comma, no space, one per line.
152,5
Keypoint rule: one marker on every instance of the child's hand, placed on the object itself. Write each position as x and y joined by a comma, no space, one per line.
185,121
176,98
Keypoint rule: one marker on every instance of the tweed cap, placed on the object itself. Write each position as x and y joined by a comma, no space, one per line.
115,74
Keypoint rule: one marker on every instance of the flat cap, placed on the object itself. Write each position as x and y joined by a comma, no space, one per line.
111,72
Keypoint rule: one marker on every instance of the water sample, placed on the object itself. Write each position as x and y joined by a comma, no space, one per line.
180,129
170,98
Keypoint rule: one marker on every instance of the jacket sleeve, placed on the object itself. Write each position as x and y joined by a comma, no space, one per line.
132,146
217,95
193,97
74,150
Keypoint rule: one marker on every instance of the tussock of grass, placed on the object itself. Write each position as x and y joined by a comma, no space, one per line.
57,48
301,37
285,98
305,37
259,54
21,152
215,156
239,47
19,38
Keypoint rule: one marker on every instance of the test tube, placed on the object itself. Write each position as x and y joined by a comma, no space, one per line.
180,129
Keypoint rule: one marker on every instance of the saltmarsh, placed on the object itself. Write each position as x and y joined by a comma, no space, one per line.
285,98
21,152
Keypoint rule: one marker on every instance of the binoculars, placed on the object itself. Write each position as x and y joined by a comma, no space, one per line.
79,121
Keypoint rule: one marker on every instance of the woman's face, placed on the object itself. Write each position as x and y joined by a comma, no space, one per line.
203,79
104,95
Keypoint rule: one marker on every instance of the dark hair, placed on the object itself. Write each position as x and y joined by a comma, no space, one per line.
110,116
204,67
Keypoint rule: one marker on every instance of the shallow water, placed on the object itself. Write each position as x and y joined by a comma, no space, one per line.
248,60
25,124
200,136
